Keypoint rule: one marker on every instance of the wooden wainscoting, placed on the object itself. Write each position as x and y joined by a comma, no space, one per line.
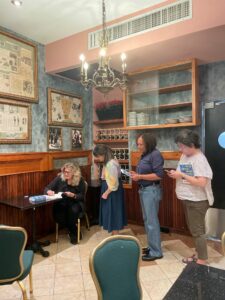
171,213
27,174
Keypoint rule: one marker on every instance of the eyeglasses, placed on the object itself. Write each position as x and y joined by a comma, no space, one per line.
67,172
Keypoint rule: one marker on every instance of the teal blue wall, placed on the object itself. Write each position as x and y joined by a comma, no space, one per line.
40,113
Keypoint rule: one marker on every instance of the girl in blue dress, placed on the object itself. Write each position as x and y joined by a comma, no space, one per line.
112,215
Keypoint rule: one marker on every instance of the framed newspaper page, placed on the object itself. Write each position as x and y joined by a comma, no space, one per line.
15,122
64,109
18,69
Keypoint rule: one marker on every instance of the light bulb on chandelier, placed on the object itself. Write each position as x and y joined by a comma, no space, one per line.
104,79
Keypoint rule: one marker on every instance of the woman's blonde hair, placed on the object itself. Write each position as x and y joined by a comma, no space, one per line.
75,170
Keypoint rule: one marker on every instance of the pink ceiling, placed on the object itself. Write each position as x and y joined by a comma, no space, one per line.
202,37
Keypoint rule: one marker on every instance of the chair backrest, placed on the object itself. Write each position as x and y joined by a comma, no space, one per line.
114,266
215,223
12,244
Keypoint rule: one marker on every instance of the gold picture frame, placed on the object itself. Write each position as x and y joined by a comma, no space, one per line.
64,109
15,122
18,68
55,139
76,138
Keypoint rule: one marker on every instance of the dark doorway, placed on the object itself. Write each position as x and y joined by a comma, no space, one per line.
214,126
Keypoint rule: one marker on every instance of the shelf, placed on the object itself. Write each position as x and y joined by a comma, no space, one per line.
164,106
123,161
160,126
110,141
164,90
113,121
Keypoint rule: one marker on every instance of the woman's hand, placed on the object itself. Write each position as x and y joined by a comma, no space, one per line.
50,193
69,194
134,176
174,174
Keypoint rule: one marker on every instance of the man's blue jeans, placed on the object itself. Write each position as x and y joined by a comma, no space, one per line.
150,197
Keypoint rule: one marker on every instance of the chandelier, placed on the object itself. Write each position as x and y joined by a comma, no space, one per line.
104,79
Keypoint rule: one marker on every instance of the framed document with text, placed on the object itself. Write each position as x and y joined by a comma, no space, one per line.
64,109
18,69
15,122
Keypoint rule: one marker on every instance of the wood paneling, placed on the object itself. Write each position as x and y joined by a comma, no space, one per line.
167,155
171,213
27,174
17,163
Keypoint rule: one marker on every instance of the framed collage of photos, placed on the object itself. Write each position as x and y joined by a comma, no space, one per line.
15,122
64,109
18,69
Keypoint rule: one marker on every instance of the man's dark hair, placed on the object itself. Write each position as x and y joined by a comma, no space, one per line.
149,140
188,138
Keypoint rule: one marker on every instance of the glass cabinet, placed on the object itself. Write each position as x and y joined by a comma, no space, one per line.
163,96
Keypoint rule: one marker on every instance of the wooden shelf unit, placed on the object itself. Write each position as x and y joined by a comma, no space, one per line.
175,96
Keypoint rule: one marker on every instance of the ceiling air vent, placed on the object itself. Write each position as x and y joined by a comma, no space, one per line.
163,16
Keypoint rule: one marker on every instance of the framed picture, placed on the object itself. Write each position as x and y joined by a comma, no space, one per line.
76,138
18,68
55,141
15,122
64,109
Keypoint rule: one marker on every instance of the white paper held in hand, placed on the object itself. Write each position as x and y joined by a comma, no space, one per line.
125,172
53,197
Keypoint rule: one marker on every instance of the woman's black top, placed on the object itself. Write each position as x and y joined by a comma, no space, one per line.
58,185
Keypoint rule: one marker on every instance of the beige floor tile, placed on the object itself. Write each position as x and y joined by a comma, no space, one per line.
43,271
67,269
168,258
145,295
151,273
68,284
173,269
158,289
88,282
91,294
10,292
70,296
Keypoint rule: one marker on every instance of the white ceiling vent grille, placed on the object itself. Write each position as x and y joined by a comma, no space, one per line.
163,16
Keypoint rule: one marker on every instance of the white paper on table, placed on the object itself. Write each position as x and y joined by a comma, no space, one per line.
54,197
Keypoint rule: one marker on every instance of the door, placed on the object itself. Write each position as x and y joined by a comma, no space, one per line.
214,126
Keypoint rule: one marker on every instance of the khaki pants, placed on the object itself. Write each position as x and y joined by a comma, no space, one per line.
195,218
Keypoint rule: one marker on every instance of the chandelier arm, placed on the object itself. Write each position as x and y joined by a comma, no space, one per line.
104,78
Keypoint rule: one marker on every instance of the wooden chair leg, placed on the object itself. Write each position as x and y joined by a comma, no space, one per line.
56,232
22,287
223,243
78,231
31,281
87,221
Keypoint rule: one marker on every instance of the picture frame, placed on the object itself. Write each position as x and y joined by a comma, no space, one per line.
15,122
64,109
18,68
55,139
76,138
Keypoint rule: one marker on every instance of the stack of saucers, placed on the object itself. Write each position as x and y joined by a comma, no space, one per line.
142,119
132,118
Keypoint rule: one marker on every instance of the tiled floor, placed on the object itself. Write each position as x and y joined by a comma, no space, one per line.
65,274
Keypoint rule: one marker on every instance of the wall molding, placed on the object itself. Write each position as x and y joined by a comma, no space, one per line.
15,163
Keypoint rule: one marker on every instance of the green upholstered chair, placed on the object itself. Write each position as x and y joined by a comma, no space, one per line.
15,262
81,215
114,266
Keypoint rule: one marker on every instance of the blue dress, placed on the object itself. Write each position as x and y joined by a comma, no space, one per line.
112,214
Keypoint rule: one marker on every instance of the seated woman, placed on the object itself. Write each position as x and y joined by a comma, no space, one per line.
66,211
